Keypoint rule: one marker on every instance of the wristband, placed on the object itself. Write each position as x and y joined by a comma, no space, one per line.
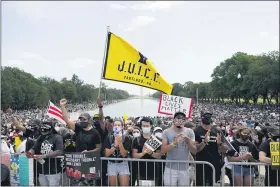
205,142
100,106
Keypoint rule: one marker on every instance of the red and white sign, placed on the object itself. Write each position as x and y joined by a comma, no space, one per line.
170,104
55,112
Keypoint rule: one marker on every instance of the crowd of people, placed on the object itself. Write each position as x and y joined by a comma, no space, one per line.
203,138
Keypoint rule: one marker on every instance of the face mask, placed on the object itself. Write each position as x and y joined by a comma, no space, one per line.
244,137
83,125
117,130
136,134
45,131
159,135
146,130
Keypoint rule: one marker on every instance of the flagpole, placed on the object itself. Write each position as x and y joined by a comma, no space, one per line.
105,50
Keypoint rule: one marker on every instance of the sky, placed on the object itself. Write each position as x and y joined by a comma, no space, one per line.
184,40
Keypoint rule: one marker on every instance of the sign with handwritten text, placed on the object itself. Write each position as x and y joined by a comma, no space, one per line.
170,104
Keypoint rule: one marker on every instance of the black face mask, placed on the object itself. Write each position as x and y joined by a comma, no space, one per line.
83,124
46,129
244,137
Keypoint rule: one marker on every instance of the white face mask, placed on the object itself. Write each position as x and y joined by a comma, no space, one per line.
158,134
136,134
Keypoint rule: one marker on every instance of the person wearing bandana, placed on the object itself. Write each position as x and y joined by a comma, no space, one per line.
87,138
177,143
210,142
48,146
271,175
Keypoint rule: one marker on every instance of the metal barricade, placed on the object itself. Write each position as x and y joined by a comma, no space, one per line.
151,172
256,172
140,172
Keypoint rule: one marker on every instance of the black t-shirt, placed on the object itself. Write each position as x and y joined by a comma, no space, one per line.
210,152
86,140
243,148
265,147
109,143
103,134
45,145
147,169
69,143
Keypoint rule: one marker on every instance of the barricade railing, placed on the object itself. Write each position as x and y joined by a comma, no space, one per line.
140,172
247,173
152,172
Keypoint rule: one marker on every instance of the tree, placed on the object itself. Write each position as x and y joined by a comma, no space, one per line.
242,77
20,90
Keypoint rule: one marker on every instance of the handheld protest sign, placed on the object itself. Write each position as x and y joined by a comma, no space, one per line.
275,154
83,165
153,143
170,104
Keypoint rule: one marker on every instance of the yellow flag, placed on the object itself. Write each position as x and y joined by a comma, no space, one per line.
124,63
17,142
125,118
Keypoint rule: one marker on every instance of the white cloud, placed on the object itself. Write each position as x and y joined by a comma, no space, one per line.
14,63
33,56
264,34
118,6
30,58
148,6
54,12
79,63
140,21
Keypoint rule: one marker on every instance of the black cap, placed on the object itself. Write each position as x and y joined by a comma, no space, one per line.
107,118
179,113
85,116
207,114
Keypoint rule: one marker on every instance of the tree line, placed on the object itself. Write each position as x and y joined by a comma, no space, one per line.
240,78
21,90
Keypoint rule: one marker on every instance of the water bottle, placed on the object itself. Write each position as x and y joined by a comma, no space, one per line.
41,161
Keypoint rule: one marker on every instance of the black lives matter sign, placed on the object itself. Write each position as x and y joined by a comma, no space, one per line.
153,143
170,104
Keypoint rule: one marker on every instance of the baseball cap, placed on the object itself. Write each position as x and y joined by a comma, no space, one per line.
107,118
95,116
157,129
85,116
179,113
